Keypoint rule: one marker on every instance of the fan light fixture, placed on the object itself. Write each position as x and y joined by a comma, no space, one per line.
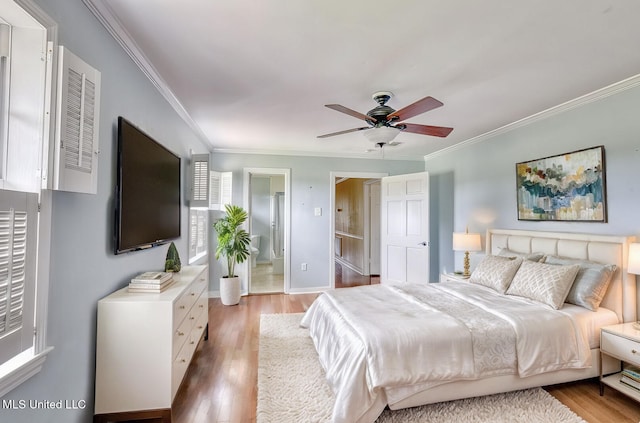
381,134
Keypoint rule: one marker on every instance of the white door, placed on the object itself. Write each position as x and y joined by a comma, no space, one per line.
404,228
374,232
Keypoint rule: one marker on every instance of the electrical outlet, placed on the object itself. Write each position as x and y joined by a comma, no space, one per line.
303,266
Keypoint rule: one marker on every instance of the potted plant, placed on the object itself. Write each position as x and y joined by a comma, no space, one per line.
233,243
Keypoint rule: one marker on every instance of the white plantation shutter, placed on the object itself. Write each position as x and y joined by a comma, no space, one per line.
78,136
225,189
200,180
76,155
220,188
214,189
18,227
203,223
198,226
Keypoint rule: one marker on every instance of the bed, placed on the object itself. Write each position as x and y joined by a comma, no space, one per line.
408,345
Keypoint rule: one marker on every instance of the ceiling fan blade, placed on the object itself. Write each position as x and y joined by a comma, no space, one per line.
420,106
343,132
342,109
435,131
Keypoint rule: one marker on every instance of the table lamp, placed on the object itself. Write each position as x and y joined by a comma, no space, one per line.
464,241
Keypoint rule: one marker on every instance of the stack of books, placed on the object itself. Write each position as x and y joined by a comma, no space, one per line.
630,376
151,282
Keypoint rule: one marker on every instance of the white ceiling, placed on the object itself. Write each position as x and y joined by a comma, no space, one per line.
253,76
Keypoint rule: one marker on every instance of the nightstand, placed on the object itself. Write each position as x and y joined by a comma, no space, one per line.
621,342
453,277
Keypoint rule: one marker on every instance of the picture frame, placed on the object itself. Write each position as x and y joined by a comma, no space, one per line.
569,187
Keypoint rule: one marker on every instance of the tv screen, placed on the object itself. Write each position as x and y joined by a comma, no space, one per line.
147,191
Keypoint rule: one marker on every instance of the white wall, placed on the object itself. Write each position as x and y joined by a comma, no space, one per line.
475,185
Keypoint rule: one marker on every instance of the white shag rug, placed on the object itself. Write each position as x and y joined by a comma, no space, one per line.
292,388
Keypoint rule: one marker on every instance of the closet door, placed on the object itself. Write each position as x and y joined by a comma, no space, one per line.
405,228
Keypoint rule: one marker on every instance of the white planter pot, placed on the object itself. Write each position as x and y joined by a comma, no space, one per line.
230,290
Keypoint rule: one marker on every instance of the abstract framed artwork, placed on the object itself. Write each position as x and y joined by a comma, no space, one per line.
568,187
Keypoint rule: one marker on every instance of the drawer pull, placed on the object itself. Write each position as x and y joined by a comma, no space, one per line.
200,327
201,306
634,352
193,293
182,307
192,342
180,333
183,361
191,318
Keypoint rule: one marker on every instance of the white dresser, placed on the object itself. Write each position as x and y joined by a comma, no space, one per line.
145,342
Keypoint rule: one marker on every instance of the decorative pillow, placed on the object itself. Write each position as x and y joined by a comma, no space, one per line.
546,283
495,272
505,252
591,283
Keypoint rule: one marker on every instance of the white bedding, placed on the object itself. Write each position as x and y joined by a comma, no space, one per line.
590,322
379,337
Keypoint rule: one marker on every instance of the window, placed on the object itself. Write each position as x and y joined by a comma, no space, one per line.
198,230
26,36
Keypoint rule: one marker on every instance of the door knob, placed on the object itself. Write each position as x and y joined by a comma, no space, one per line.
423,243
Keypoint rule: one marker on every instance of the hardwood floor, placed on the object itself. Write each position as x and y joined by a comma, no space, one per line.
220,385
346,277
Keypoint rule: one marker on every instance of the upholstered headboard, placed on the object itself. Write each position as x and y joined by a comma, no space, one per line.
622,295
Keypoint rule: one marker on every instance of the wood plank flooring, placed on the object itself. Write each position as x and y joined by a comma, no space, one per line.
220,385
346,277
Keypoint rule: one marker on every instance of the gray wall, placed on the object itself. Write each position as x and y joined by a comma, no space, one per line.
310,187
83,266
475,185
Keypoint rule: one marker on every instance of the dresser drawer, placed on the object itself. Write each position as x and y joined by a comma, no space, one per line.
180,309
179,367
199,325
622,348
180,335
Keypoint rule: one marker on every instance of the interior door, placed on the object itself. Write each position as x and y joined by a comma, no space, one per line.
374,231
404,234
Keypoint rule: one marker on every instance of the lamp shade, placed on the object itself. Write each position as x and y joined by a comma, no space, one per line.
464,241
634,259
382,134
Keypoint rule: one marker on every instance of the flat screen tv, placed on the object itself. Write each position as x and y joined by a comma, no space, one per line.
148,201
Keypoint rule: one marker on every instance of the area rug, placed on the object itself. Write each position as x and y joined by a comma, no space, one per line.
292,388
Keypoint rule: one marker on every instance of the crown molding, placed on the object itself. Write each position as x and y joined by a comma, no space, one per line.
615,88
107,18
325,154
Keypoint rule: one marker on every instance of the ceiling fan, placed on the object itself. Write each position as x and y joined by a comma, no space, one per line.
388,123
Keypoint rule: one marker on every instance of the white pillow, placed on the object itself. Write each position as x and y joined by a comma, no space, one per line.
495,272
546,283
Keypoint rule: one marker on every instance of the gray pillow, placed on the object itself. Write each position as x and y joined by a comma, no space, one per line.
505,252
591,283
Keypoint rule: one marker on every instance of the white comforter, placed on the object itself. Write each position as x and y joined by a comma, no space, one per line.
375,337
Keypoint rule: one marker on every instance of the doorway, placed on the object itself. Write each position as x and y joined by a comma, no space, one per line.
353,245
268,205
